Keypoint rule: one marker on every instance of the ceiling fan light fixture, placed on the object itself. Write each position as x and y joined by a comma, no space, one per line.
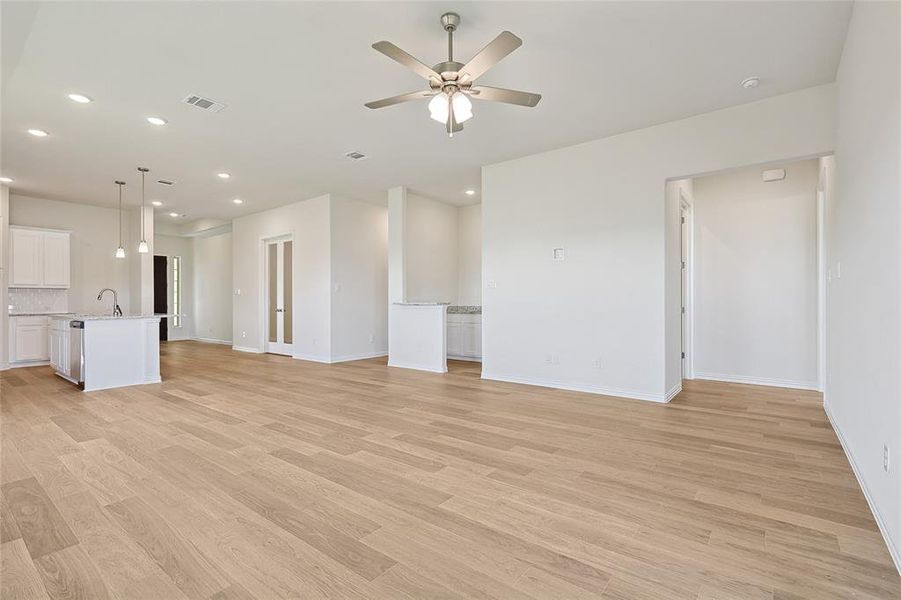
462,107
439,107
438,110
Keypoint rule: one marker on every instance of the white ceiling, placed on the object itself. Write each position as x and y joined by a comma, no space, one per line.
295,77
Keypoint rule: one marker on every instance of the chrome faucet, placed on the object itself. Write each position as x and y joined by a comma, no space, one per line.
117,312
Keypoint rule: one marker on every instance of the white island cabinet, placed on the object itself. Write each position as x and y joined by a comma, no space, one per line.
102,352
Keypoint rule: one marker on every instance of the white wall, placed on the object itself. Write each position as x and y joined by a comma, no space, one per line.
430,250
755,277
169,246
212,287
359,250
308,223
676,192
469,255
863,326
357,261
94,238
547,321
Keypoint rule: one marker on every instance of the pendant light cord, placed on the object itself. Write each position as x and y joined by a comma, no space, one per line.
142,206
120,214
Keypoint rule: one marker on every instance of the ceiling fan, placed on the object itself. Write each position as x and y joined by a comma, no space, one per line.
451,83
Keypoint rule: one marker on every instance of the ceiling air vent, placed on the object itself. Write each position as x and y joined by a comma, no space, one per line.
204,103
165,182
355,155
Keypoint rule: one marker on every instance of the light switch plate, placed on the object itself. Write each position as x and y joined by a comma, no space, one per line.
558,254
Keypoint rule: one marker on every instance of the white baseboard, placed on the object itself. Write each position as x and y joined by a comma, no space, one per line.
247,349
212,341
673,392
467,358
21,365
880,522
340,359
590,389
312,358
363,356
415,367
783,383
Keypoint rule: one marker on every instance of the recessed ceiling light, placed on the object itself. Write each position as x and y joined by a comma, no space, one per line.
5,180
470,192
238,201
173,214
750,82
80,98
223,175
156,203
38,132
156,120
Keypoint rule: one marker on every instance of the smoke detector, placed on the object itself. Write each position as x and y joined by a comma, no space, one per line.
354,155
750,82
203,103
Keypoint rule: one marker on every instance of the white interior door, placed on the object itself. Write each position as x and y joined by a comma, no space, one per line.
279,297
685,241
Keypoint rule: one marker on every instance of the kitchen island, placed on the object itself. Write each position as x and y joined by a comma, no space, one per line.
100,352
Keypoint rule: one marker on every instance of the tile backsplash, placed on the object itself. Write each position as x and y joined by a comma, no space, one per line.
33,300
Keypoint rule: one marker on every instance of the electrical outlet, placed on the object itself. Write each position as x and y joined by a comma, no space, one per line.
492,284
371,338
886,454
596,363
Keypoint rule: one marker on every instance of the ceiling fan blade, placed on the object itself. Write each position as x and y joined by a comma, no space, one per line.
493,94
399,99
395,53
490,55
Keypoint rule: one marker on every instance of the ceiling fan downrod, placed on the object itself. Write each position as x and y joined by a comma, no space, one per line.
450,21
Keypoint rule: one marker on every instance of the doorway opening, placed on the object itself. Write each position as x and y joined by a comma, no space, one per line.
745,275
161,292
278,286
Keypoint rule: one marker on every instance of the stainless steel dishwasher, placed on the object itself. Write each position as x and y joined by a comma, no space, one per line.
76,351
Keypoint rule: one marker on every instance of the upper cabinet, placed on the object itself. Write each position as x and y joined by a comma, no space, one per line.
38,258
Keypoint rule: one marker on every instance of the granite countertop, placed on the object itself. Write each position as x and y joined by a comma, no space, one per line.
108,317
37,314
464,310
422,303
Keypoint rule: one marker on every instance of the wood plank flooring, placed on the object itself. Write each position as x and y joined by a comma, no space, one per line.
255,476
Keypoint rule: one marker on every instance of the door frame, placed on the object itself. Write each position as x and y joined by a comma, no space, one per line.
686,240
264,292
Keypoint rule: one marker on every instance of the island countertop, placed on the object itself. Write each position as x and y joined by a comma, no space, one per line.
78,317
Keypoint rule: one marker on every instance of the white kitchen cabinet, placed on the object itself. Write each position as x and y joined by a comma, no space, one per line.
59,346
471,342
454,340
464,336
26,262
56,259
29,339
39,258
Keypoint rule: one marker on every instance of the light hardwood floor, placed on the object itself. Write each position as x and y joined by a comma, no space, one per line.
253,476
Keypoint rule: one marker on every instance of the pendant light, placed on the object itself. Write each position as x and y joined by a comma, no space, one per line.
120,251
143,248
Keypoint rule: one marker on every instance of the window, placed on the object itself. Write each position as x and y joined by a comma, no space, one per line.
176,291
